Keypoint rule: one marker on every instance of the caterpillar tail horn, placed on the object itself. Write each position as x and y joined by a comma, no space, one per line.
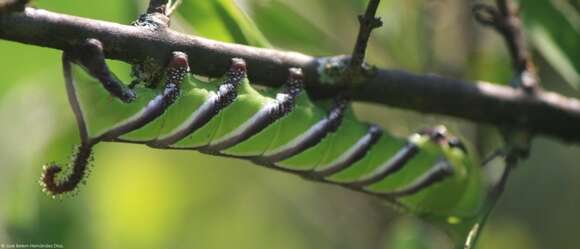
94,64
49,180
55,185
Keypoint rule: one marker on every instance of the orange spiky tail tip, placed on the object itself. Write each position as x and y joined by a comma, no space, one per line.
55,185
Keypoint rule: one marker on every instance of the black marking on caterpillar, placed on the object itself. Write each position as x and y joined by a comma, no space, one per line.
362,147
437,173
395,164
312,136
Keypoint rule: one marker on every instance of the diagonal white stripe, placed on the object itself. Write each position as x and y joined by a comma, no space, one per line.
193,117
346,155
242,128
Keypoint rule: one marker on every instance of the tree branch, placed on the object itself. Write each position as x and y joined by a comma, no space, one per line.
543,113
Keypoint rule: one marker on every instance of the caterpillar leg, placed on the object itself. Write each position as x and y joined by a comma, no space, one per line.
175,73
96,67
91,57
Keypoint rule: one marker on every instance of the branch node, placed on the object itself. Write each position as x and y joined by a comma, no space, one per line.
158,15
368,22
486,15
337,71
372,23
351,71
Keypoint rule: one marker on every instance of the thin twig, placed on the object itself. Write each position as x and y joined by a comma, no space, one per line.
504,18
492,198
544,112
172,7
157,6
368,22
495,154
506,21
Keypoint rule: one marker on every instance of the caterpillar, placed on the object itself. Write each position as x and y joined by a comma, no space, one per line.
429,173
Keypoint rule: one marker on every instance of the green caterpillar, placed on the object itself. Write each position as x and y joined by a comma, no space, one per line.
428,173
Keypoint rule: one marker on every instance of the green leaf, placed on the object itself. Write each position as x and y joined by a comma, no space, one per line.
289,29
555,56
221,20
245,24
554,30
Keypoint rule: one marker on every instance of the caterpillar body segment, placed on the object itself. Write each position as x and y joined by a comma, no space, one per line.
207,100
428,173
142,118
271,110
303,150
90,56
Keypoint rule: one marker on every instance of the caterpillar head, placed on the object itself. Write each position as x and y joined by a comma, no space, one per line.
439,134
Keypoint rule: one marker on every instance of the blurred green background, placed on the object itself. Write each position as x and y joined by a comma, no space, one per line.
138,197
